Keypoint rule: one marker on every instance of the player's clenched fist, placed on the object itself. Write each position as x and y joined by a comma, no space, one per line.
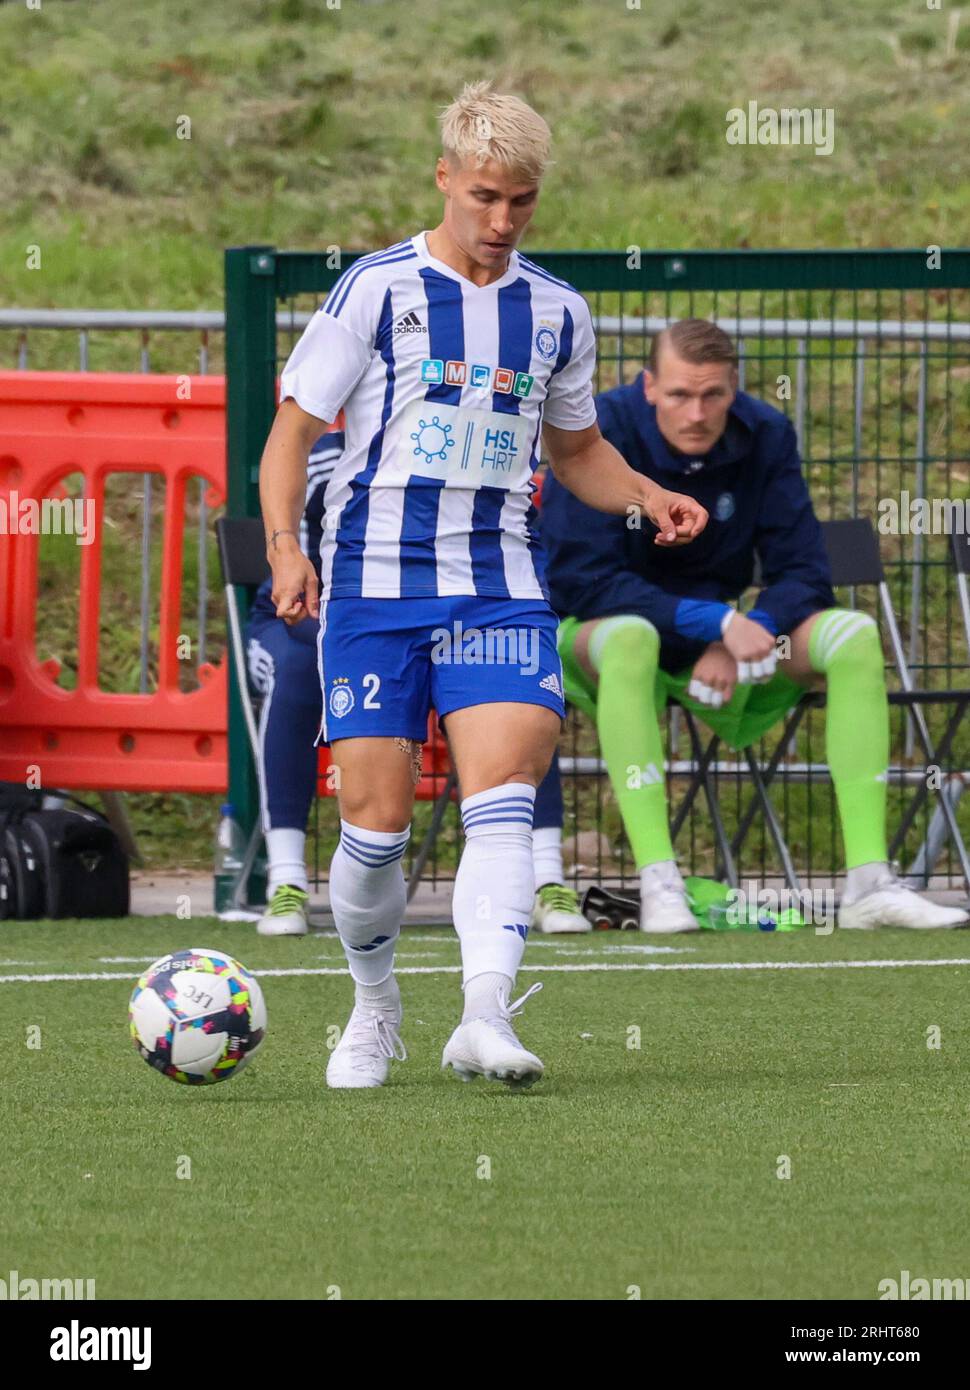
679,519
753,648
714,677
296,592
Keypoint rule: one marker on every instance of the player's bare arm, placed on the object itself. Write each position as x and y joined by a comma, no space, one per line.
282,492
598,475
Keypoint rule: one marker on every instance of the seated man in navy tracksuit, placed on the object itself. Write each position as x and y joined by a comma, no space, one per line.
283,669
641,623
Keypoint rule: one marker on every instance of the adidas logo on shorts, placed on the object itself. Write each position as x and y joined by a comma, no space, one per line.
551,682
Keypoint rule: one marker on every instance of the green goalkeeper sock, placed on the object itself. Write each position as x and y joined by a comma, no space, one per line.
844,646
625,651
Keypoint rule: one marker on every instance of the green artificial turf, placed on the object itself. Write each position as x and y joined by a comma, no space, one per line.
653,1168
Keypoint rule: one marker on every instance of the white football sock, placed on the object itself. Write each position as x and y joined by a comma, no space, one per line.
286,852
368,897
863,879
482,995
547,855
495,882
386,995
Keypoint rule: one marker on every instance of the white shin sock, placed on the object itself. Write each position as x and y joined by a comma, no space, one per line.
495,882
286,852
547,855
367,898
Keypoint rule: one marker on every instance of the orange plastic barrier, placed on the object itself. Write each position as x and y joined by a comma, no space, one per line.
58,423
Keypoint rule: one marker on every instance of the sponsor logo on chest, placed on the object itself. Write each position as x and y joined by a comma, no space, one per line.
503,380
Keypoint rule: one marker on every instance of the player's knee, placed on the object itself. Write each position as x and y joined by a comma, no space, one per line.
632,646
387,810
845,637
386,820
497,771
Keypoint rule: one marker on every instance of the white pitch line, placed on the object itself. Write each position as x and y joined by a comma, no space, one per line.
123,960
591,966
47,979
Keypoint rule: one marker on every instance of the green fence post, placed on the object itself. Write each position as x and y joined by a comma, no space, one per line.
250,406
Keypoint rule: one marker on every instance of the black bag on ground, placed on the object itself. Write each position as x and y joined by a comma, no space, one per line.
9,887
16,800
21,889
20,877
81,868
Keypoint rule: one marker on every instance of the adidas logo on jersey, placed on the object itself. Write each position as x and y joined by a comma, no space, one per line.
551,682
410,323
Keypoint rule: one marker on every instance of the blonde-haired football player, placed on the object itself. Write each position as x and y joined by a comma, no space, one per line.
450,355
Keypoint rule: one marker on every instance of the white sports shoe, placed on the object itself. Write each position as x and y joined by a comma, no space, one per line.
891,903
488,1047
287,913
369,1044
664,908
556,910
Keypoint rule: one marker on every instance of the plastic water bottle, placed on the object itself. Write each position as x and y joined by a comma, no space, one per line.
230,852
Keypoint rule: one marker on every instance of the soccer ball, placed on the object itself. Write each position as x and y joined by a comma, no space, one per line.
197,1016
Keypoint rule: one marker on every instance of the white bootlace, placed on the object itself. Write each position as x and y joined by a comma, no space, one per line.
510,1011
379,1037
503,1023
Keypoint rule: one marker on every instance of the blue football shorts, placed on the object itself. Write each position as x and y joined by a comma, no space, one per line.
386,662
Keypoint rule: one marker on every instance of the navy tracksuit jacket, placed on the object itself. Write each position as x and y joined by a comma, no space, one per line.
752,486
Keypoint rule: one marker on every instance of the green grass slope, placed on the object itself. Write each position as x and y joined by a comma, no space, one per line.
312,126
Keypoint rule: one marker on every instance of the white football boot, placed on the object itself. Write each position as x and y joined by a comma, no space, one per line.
370,1042
488,1047
287,913
890,903
664,908
556,910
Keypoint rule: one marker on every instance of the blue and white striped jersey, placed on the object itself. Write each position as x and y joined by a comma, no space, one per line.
444,387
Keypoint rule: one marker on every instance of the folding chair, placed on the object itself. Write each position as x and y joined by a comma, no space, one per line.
960,548
242,552
956,782
853,552
242,555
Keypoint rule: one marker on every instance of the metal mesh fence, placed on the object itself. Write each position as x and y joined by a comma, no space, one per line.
869,356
